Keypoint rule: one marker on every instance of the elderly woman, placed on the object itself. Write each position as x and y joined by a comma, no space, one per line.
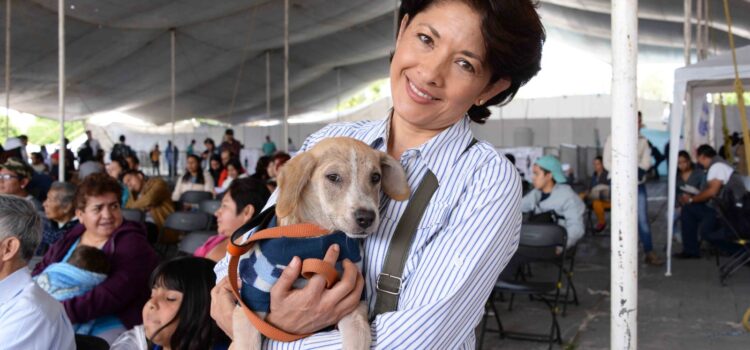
60,214
452,60
116,303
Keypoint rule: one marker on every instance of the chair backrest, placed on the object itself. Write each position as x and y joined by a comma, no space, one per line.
133,215
193,240
187,221
209,206
542,242
195,197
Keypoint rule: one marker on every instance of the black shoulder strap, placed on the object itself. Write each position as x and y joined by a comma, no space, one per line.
389,280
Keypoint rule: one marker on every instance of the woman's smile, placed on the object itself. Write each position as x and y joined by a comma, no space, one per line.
418,95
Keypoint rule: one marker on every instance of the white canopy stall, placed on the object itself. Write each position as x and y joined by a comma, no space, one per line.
691,84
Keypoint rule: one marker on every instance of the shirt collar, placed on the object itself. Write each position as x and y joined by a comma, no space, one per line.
443,149
13,284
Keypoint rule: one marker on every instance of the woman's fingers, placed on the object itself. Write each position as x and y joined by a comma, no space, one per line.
317,283
347,283
290,274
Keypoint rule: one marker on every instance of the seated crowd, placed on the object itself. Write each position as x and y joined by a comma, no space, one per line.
74,268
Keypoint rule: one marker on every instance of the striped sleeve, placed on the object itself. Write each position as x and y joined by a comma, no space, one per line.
444,299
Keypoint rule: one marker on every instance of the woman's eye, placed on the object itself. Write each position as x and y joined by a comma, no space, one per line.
466,66
335,178
425,39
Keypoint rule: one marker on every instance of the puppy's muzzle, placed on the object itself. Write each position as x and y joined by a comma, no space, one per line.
364,218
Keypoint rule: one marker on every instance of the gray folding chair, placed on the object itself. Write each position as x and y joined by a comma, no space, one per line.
195,197
133,215
193,240
539,244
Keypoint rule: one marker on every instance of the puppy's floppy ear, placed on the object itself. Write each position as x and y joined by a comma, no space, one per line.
293,178
394,178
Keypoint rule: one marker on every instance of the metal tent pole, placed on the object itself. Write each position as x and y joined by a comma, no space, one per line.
286,77
687,30
172,92
268,84
61,86
7,69
624,261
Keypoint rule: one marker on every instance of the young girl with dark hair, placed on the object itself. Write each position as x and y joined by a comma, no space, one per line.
176,317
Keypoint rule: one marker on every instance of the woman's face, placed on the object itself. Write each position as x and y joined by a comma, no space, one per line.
215,164
102,214
539,178
232,172
227,219
683,164
114,170
53,208
438,69
160,310
192,165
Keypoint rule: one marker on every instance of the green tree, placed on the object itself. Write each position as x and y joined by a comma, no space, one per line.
12,130
46,131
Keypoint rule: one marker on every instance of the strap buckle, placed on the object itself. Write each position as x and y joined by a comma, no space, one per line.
387,286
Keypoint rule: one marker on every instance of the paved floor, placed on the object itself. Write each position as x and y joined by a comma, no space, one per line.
689,310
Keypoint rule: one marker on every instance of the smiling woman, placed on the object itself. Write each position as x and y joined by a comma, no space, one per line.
453,59
114,304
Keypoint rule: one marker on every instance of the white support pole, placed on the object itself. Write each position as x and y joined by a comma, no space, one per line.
268,84
172,89
7,69
624,261
395,18
699,44
338,94
286,77
61,85
687,31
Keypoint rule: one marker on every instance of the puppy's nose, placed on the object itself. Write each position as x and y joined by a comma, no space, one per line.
364,217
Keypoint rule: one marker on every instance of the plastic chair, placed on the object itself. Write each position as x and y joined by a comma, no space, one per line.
133,215
209,206
539,244
734,216
195,197
187,221
89,342
193,240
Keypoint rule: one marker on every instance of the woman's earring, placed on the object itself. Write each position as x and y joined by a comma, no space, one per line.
481,102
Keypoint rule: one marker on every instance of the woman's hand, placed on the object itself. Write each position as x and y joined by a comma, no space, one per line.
312,308
222,305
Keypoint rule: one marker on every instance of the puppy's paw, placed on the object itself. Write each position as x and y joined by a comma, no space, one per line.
355,330
244,334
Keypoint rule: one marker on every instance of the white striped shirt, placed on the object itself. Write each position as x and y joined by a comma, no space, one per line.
467,235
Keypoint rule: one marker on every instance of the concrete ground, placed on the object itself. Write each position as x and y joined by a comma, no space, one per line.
689,310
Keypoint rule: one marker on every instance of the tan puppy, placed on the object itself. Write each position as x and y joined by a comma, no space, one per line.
335,185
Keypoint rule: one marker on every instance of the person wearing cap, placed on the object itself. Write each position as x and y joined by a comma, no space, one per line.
15,176
552,193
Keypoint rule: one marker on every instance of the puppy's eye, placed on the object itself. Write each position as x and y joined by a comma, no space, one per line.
375,178
335,178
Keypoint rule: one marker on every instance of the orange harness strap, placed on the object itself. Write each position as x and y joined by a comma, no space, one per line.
310,267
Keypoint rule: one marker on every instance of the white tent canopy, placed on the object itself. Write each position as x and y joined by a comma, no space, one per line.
691,84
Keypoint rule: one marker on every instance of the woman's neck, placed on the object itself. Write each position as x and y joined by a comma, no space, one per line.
548,187
686,174
403,136
90,239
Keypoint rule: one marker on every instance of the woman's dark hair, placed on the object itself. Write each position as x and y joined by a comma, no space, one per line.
261,168
194,278
248,191
198,178
686,155
234,162
599,158
513,36
94,185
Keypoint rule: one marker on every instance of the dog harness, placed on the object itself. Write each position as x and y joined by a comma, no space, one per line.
262,258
